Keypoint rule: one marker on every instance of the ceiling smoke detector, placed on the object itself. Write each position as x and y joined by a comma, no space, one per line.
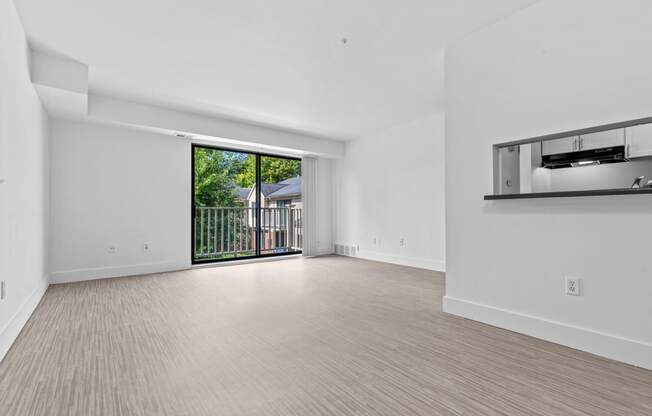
345,41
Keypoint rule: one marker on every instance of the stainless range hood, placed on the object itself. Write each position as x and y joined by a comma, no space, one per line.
613,154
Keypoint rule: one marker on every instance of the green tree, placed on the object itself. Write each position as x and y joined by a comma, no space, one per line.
218,173
272,170
215,173
247,177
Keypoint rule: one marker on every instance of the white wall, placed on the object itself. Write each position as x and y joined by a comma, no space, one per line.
24,183
390,185
117,187
114,186
556,66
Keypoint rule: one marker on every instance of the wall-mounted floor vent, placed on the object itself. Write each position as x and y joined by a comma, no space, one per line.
345,250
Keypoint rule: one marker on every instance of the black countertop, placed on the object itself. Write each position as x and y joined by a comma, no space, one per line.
567,194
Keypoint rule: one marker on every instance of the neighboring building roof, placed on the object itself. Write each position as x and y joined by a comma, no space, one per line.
284,189
243,193
287,191
266,189
292,181
269,188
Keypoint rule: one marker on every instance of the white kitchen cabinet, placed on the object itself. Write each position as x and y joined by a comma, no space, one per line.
564,145
639,140
602,139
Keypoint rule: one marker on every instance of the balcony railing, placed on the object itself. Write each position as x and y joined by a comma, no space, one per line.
228,232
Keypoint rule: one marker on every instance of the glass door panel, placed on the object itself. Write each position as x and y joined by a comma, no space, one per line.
226,188
282,207
224,224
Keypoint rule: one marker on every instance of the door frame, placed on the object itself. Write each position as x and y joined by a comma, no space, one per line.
258,156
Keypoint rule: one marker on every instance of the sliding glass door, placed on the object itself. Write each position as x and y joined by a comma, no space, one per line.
281,209
228,223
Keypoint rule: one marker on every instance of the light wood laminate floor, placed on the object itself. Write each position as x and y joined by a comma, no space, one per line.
323,336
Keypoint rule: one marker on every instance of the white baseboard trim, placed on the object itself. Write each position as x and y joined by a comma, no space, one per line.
429,264
12,329
80,275
611,346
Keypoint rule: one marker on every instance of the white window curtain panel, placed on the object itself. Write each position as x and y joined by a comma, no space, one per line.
309,197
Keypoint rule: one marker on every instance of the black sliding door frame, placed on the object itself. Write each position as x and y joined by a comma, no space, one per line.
258,210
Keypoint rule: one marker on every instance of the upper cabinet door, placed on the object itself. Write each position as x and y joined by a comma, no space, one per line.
565,145
602,139
639,140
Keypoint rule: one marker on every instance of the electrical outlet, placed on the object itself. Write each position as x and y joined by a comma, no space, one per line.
402,242
146,247
375,241
113,249
572,286
3,290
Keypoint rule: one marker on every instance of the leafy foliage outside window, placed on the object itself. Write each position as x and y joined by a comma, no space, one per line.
219,173
215,172
272,170
219,176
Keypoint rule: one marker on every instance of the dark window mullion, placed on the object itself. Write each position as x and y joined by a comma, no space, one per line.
258,206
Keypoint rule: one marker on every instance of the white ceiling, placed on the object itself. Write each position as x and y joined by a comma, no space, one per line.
279,62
